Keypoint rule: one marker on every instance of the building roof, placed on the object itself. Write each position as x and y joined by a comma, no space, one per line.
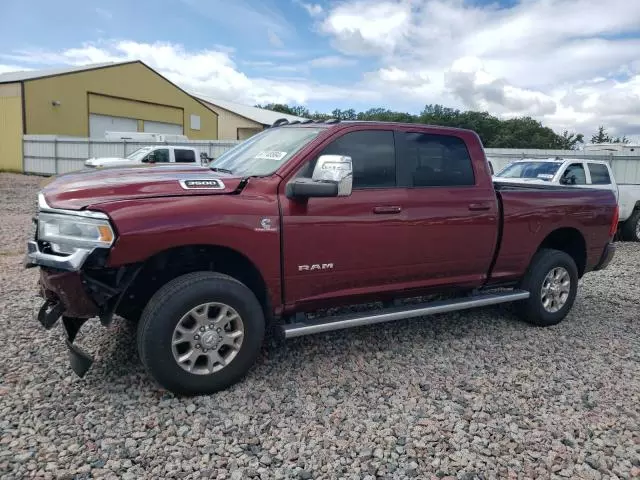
258,115
24,75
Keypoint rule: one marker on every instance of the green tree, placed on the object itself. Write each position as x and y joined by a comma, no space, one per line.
570,141
297,110
602,136
522,132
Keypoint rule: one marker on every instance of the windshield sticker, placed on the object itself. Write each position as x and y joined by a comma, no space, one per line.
271,155
545,176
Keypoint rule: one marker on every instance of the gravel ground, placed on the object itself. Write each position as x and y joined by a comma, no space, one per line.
473,395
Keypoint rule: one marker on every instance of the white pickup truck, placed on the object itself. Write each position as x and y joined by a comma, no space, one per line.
580,173
158,154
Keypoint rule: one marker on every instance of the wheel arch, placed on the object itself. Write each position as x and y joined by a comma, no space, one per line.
168,264
568,240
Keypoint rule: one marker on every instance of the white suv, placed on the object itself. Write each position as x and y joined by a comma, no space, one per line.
580,173
160,154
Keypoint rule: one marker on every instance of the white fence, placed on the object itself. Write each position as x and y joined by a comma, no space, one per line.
51,155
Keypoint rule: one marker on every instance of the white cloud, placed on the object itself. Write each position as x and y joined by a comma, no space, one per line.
569,63
12,68
468,80
312,9
211,72
368,28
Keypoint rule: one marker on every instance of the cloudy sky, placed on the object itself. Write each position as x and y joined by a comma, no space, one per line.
571,63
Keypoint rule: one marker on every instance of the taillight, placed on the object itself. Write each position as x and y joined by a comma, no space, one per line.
614,222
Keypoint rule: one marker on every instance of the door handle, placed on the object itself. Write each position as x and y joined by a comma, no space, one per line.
476,207
387,209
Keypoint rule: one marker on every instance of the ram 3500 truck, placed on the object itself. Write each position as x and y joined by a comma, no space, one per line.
298,219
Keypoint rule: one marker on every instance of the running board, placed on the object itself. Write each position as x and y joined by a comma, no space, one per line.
399,313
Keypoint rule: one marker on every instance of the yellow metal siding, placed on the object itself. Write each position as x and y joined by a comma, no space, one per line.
229,123
119,107
244,133
10,90
10,128
133,82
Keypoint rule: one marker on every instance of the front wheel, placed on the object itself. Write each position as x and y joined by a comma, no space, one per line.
200,333
631,228
552,281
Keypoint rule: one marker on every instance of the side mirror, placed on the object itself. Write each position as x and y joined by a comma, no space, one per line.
331,177
568,180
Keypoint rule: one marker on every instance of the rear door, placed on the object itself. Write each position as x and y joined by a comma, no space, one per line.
347,246
451,209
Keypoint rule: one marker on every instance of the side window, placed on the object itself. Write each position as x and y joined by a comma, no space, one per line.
574,175
185,156
373,155
437,161
599,174
161,155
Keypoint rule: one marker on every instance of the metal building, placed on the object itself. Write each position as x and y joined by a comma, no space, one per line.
89,100
239,122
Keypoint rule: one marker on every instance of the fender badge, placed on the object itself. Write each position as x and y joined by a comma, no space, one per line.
202,184
266,226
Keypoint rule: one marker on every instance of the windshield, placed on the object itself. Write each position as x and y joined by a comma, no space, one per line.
263,153
539,170
139,153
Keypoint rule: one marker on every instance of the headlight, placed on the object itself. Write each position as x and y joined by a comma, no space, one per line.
68,232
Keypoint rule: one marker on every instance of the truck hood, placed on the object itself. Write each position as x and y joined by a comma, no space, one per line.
78,190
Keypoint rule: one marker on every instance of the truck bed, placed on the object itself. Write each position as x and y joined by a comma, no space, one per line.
531,214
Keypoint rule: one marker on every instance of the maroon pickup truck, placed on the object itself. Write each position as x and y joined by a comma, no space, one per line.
402,220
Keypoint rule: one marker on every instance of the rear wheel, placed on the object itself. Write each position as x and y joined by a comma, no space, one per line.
552,281
200,333
631,228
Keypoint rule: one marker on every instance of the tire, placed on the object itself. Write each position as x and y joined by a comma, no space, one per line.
540,309
173,308
631,228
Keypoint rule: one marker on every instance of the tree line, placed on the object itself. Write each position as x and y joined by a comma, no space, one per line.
520,132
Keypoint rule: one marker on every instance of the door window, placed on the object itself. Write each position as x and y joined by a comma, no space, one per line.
185,156
373,155
599,174
574,175
159,156
436,161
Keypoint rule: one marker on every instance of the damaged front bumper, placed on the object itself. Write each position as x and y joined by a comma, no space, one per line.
49,314
76,296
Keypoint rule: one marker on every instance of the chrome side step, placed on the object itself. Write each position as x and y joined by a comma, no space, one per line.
398,313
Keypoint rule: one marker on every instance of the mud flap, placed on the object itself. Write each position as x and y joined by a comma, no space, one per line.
80,360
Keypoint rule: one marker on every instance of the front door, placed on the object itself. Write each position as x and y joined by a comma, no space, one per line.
347,246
